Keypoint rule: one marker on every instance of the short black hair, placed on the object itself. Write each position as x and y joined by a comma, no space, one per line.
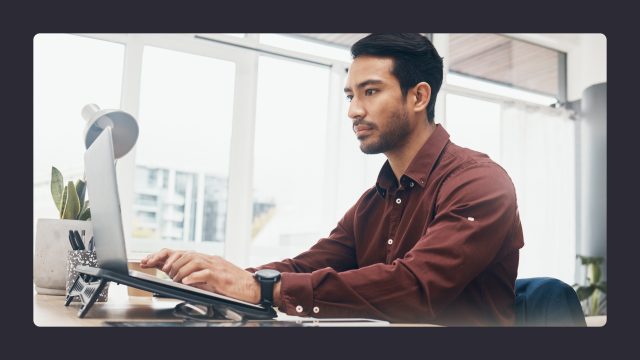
415,59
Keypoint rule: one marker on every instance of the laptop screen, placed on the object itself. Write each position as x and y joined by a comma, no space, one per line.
106,217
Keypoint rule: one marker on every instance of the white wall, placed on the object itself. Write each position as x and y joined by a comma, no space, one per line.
587,64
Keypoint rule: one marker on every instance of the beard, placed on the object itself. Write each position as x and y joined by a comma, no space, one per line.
395,134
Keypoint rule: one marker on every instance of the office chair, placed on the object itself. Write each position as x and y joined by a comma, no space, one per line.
545,301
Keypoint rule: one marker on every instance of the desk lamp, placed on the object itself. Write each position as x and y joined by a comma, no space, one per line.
124,128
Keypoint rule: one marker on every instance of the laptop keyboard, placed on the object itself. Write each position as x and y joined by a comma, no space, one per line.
145,276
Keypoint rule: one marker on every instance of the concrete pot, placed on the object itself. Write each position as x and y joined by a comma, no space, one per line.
52,246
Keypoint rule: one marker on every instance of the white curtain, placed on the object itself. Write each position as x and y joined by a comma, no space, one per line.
538,152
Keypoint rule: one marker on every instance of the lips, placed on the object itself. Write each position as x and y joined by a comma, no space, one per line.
361,130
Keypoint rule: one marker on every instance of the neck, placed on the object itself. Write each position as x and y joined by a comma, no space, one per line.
401,157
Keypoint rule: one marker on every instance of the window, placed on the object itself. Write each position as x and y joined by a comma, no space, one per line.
182,158
475,124
497,95
514,63
68,72
289,158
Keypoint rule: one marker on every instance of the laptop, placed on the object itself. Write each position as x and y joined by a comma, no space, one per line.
108,233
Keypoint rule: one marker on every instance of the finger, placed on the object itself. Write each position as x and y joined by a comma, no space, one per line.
170,260
157,259
199,277
187,268
177,263
186,257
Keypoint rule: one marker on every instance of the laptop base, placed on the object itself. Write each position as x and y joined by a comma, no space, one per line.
90,282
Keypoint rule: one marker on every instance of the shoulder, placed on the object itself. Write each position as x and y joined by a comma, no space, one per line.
472,174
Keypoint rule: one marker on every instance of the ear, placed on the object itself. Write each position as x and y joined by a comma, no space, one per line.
421,96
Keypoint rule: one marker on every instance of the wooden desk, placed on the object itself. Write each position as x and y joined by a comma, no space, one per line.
49,310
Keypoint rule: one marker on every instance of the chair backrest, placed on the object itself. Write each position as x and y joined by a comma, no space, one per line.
545,301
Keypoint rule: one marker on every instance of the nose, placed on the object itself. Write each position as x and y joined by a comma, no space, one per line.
356,111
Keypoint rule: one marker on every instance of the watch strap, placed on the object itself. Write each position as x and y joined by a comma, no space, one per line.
266,292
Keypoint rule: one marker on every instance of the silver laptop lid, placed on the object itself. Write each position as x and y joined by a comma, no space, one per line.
106,217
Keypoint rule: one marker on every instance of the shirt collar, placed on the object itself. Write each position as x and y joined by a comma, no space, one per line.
420,167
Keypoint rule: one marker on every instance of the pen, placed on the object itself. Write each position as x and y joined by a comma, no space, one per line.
78,240
72,241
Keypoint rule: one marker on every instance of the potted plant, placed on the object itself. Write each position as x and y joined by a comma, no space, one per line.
52,242
69,199
593,294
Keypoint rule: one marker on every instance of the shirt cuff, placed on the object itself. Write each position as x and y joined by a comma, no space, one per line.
296,294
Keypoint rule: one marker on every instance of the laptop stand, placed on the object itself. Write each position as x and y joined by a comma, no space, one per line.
87,290
90,282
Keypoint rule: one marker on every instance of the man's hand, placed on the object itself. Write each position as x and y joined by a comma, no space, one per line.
207,272
161,258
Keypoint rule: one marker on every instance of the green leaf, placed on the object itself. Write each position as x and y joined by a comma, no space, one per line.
64,202
81,189
602,287
72,208
584,292
56,187
595,273
85,214
586,260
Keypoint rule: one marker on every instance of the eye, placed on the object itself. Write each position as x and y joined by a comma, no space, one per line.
370,92
349,97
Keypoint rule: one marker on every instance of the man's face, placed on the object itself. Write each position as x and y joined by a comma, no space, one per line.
377,107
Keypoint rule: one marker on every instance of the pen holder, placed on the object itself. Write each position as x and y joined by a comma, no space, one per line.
82,257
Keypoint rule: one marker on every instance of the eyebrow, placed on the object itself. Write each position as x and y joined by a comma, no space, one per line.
363,84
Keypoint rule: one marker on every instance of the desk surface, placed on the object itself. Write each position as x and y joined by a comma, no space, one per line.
49,310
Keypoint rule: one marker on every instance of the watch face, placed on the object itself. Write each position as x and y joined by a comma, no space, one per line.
268,273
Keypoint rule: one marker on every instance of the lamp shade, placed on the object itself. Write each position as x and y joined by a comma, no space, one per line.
124,128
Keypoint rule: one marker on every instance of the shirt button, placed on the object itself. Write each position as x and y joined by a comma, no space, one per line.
299,308
398,201
390,241
316,309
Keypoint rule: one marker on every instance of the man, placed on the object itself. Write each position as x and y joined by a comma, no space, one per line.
435,240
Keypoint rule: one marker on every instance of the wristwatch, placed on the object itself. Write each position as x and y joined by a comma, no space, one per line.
267,279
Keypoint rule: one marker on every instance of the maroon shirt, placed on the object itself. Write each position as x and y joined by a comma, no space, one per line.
443,248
